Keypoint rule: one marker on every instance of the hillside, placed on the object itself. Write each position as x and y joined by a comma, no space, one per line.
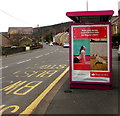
46,33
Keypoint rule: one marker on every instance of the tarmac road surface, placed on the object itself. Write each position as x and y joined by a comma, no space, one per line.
26,75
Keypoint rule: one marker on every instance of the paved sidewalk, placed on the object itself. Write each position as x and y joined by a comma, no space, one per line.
84,101
62,100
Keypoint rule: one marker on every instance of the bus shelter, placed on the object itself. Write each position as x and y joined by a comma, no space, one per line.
90,49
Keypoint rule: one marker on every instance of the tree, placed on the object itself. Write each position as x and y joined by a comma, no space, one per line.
48,36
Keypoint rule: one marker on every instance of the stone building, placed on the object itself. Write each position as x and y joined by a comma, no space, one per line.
4,40
61,38
116,22
16,34
116,25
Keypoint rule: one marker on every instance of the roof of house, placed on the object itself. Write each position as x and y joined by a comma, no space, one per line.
20,30
4,34
116,20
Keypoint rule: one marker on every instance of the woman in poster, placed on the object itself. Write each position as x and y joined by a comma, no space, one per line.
82,54
81,57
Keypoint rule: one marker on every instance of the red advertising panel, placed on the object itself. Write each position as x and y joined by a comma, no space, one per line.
90,32
90,53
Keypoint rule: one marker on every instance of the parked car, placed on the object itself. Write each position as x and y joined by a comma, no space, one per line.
46,42
51,44
119,52
14,46
40,43
66,45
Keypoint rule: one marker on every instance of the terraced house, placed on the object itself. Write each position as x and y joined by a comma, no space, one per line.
20,36
116,22
4,40
116,25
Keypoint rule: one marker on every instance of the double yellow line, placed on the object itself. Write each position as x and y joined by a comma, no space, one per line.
35,103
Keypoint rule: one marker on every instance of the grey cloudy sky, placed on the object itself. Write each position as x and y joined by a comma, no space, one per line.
30,13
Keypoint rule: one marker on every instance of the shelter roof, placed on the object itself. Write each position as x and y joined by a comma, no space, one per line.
90,16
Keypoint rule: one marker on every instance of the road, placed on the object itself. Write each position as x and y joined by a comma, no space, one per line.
26,75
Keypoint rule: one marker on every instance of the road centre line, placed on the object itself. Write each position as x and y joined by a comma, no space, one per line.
39,56
47,54
23,61
35,103
28,60
4,67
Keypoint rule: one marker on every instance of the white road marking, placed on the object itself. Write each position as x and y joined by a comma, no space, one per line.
23,61
28,60
39,56
3,67
47,54
20,62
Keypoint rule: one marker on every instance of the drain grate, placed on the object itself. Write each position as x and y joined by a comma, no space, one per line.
68,91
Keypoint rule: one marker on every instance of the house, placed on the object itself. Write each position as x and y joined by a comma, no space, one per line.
116,25
25,41
18,33
116,22
4,40
61,38
56,38
64,38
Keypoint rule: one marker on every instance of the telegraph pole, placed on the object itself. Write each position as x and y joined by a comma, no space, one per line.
87,5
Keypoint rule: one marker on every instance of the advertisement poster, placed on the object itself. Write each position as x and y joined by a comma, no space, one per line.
90,53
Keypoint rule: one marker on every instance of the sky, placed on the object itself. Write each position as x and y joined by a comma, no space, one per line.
33,13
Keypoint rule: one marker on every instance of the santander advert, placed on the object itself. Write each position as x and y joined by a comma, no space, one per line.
90,53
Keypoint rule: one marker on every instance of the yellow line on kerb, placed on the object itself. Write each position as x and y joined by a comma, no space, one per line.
35,103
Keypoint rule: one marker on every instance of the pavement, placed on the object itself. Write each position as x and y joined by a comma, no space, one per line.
63,100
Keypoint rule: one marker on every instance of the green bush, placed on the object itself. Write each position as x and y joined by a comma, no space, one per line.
9,50
116,38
